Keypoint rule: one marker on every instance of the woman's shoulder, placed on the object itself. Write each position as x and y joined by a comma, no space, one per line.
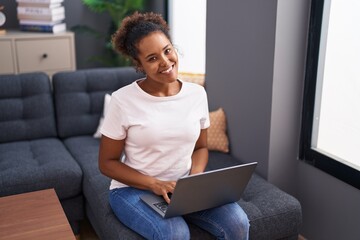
126,90
193,87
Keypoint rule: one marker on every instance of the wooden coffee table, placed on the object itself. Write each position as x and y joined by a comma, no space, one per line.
35,215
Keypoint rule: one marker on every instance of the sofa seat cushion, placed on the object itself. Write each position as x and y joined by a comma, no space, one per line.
85,150
38,164
273,214
95,185
96,190
219,160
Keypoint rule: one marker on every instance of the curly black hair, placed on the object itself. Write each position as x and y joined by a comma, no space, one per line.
135,27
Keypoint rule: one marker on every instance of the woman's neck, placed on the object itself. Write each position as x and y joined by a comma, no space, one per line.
160,89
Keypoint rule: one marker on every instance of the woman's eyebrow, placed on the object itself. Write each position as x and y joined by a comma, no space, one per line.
166,46
152,54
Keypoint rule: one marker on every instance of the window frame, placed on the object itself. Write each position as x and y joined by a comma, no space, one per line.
307,153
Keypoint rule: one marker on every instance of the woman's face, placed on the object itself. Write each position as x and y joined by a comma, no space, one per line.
158,58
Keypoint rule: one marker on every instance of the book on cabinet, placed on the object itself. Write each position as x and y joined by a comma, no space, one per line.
40,1
41,11
55,28
40,5
41,16
48,18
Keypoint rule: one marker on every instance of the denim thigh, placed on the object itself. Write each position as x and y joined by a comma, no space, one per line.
225,222
135,214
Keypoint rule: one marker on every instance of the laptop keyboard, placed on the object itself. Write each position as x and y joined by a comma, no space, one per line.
162,206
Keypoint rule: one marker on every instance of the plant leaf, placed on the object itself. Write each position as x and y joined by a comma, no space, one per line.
95,5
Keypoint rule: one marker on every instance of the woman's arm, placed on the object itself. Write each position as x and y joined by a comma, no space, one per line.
109,165
201,154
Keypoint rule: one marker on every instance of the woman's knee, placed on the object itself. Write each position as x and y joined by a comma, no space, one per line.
133,213
238,231
172,229
237,225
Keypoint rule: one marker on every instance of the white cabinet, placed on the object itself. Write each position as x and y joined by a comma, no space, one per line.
22,52
7,57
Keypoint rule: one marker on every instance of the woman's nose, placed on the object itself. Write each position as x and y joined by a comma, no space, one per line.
164,61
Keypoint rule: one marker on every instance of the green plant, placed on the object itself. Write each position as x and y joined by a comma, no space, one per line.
118,10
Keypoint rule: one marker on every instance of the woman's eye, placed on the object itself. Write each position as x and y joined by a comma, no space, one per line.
152,59
167,51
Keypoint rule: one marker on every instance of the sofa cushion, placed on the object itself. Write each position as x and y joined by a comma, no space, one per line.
79,97
85,150
220,160
96,190
26,107
38,164
273,214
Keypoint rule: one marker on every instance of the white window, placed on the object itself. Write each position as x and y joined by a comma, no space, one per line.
336,126
187,21
330,136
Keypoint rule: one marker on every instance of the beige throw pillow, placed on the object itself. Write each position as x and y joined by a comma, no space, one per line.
217,137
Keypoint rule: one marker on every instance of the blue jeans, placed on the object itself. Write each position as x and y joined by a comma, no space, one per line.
225,222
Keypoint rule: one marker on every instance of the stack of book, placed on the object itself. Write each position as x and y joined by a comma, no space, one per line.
41,15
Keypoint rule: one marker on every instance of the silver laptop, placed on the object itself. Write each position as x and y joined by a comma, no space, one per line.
203,191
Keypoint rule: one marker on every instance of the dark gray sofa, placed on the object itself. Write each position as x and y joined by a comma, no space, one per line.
32,157
78,101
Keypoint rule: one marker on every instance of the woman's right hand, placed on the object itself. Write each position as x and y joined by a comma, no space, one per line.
162,188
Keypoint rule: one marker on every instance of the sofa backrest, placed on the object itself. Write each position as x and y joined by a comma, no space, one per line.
26,107
79,97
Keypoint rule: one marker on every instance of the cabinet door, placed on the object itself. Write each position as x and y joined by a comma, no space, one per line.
6,58
43,54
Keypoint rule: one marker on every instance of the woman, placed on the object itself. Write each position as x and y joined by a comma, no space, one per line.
160,123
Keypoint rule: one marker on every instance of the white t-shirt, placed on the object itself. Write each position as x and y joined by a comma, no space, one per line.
160,132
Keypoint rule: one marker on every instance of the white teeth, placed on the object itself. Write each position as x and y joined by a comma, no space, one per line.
167,70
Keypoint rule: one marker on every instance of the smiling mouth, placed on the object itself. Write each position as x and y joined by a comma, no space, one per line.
168,70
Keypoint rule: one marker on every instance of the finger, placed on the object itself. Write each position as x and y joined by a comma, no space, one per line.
173,185
166,197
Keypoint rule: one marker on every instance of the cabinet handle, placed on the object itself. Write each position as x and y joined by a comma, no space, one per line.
44,55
